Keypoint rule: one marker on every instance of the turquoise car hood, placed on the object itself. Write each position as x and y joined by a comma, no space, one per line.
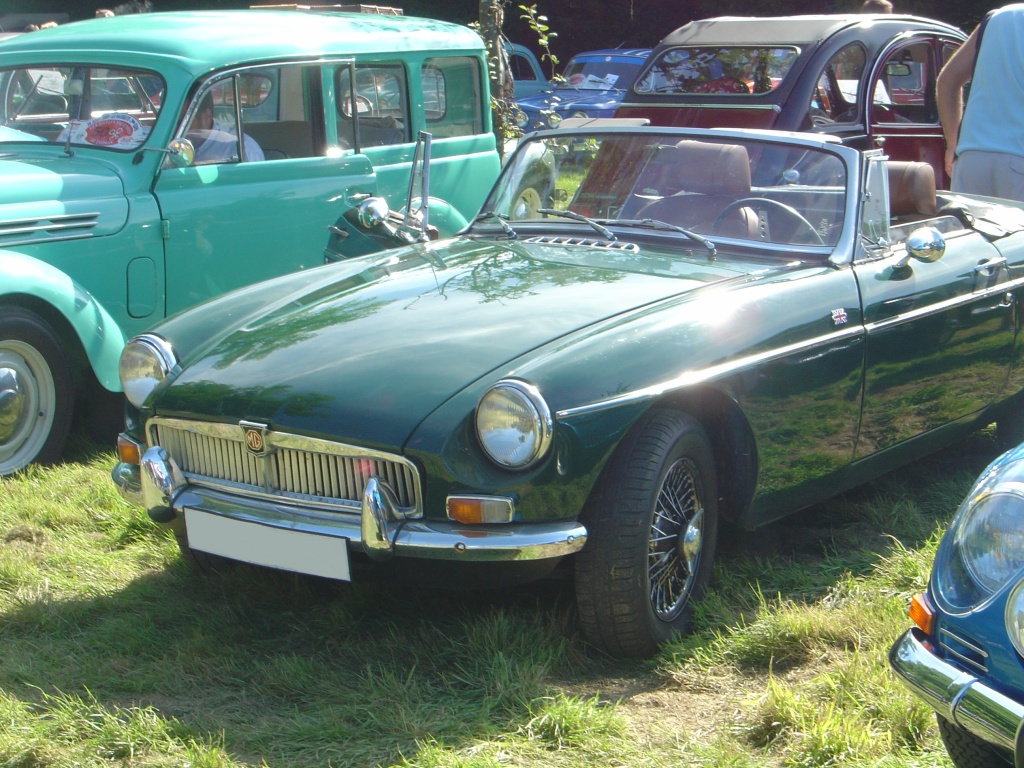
368,355
45,196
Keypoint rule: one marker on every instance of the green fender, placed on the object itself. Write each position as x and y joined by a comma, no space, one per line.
98,332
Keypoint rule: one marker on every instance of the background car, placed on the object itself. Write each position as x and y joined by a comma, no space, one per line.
527,74
867,79
110,221
964,655
697,327
592,85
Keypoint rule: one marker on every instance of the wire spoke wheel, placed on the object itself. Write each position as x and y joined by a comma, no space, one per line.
676,541
652,524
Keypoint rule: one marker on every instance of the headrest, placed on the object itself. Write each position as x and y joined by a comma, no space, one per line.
705,168
911,189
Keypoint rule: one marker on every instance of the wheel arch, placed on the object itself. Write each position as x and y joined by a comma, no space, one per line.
732,444
92,338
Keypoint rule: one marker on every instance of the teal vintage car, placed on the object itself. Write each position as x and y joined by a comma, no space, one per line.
151,161
695,328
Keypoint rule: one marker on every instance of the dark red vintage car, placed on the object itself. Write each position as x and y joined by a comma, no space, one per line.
869,79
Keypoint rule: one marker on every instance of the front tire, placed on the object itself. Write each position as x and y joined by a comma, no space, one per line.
968,751
652,524
36,392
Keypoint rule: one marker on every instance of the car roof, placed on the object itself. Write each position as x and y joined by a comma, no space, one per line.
795,30
205,40
641,53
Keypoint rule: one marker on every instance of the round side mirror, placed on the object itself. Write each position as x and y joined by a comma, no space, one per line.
373,211
181,152
926,244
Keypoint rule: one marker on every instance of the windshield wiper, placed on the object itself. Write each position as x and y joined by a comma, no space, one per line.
604,231
502,220
658,224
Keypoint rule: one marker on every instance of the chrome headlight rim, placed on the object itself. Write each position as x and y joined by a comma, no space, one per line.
530,399
967,577
553,119
159,352
1013,616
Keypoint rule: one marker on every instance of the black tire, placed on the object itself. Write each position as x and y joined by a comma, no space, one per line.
968,751
652,524
36,391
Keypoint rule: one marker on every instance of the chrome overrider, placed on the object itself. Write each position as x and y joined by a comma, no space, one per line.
959,696
161,488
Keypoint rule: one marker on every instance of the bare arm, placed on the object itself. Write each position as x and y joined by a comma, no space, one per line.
949,93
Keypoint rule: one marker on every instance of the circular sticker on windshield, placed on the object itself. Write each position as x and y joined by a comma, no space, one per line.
112,130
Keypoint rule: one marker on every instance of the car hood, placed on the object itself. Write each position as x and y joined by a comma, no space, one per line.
565,99
48,197
368,351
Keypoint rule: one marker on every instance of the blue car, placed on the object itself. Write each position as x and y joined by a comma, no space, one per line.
965,656
592,85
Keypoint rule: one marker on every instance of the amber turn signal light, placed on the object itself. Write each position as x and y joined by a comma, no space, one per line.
921,613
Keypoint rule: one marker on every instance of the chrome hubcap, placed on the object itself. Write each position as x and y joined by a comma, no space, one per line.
27,404
676,540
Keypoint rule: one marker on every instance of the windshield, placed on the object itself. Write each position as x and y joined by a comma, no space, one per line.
84,106
601,73
720,188
733,70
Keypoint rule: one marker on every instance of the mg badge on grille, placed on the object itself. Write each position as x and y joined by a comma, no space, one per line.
255,437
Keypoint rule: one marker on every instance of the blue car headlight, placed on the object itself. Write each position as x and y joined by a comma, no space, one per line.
513,424
146,361
983,550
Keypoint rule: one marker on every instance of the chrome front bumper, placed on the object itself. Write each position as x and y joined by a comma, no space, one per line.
378,530
958,696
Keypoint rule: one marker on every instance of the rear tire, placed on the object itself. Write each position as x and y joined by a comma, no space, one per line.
652,524
968,751
36,391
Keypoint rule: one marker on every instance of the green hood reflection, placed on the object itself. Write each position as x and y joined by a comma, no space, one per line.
370,355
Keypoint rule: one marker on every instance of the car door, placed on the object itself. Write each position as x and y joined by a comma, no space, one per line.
263,207
903,116
939,334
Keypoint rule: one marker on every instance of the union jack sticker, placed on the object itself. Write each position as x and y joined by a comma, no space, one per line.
839,316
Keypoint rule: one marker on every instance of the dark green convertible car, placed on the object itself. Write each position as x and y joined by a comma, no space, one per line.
665,331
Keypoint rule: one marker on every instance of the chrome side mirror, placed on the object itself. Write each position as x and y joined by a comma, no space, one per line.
181,153
925,244
373,212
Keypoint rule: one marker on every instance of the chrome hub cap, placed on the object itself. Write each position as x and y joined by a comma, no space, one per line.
27,403
676,540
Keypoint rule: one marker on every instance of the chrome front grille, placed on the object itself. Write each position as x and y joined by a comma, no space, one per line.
291,468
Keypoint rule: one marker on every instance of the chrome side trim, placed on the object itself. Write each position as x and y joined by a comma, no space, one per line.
956,695
943,306
659,105
690,378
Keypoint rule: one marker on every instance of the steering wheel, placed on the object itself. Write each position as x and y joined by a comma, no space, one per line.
363,106
775,205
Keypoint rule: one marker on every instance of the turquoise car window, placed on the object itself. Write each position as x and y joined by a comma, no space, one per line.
381,112
739,70
451,96
277,109
91,106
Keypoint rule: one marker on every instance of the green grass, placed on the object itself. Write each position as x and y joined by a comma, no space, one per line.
116,654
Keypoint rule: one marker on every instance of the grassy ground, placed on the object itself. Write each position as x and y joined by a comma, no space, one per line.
115,653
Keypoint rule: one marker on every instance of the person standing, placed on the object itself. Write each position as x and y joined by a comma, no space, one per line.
985,136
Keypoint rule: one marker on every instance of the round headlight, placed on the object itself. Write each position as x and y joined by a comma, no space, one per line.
1014,617
579,113
513,424
520,118
145,362
553,119
984,549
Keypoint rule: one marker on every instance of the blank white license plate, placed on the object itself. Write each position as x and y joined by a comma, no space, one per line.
295,551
